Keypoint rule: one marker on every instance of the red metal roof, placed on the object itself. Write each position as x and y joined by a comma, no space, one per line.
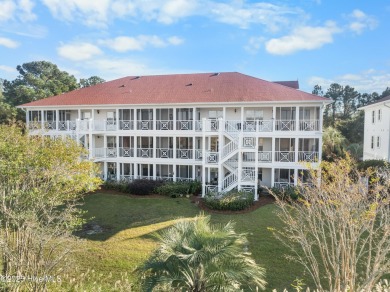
292,84
179,88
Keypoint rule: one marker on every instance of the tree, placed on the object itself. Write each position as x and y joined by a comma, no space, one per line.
333,144
93,80
195,256
339,230
318,90
349,100
7,112
37,80
41,180
385,93
334,92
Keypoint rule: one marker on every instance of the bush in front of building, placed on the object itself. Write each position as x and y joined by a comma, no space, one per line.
143,187
174,189
231,201
120,186
287,194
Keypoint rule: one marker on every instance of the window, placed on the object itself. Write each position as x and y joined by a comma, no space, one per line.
373,117
372,142
378,142
215,114
379,115
254,115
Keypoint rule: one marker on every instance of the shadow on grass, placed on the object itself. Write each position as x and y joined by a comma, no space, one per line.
108,215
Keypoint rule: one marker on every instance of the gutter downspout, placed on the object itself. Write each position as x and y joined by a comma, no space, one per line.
388,151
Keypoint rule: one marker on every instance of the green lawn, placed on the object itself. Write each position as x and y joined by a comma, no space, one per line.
129,223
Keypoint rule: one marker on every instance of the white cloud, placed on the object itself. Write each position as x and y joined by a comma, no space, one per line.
91,13
78,51
366,81
7,9
359,21
303,38
241,13
254,44
244,14
139,43
21,9
7,69
8,43
112,68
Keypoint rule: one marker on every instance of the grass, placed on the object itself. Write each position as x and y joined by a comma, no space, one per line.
130,222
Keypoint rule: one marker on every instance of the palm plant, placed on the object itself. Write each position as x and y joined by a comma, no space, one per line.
195,256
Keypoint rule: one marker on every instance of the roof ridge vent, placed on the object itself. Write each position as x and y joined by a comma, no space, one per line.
122,85
135,78
189,84
215,74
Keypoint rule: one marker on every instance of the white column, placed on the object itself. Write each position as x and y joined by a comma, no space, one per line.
57,118
135,146
154,119
321,118
296,148
239,163
105,170
204,158
154,150
256,167
105,145
297,118
135,119
174,141
117,119
135,170
272,177
42,119
174,118
117,146
273,118
220,147
118,171
295,176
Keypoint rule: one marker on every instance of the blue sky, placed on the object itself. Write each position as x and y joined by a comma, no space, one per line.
314,41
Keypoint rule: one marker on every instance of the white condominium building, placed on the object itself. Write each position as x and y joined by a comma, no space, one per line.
228,130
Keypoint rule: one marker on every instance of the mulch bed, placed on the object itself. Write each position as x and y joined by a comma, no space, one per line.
265,200
198,200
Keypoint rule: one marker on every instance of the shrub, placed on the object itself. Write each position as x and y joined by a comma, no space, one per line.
286,194
231,201
144,187
120,186
174,189
374,163
195,187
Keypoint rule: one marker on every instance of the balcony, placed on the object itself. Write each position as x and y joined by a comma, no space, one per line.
145,152
145,125
308,156
184,154
164,153
309,125
164,125
284,156
126,125
184,125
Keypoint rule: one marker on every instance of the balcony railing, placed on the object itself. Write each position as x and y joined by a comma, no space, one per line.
265,156
126,125
164,125
198,154
126,152
284,156
211,157
283,185
184,125
145,125
248,175
285,125
309,125
208,125
164,153
126,178
145,152
66,126
184,153
308,156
